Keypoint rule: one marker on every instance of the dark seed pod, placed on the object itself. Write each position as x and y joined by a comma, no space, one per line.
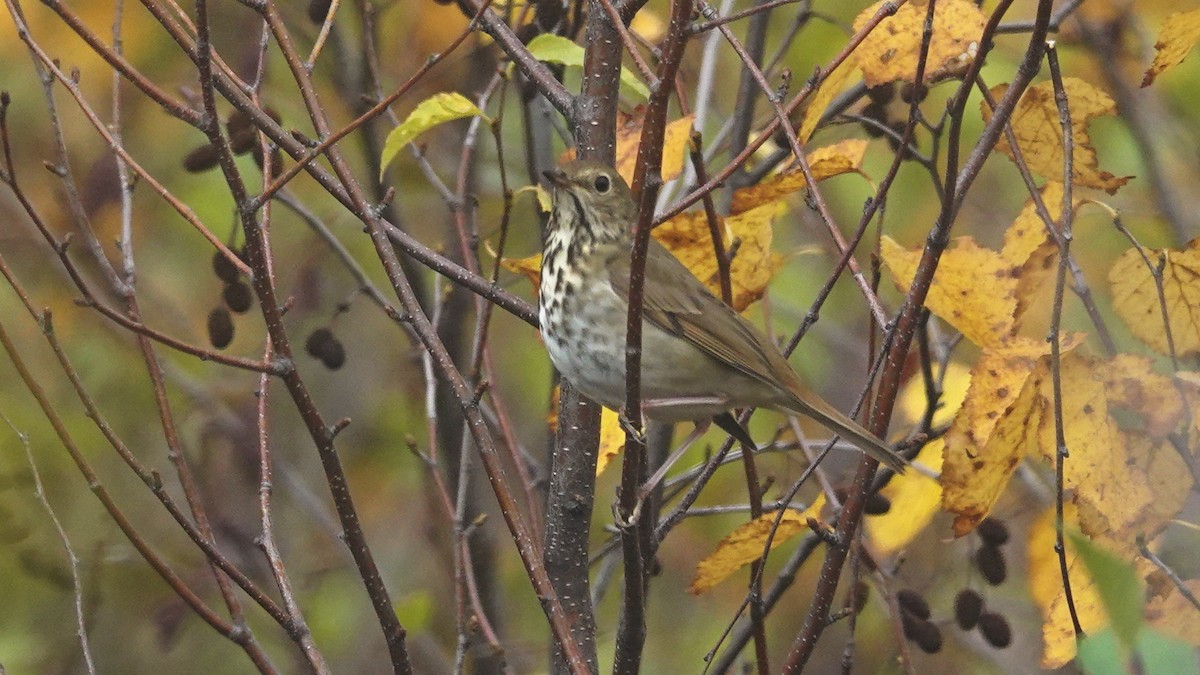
220,328
995,629
858,596
317,9
877,505
243,141
912,92
225,269
990,561
992,531
883,94
324,346
276,159
201,159
914,603
238,297
926,635
967,607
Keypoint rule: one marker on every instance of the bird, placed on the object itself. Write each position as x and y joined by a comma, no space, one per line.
700,358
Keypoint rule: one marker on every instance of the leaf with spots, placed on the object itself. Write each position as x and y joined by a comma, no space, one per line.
981,292
832,85
1136,296
890,52
1176,38
745,545
1039,133
977,464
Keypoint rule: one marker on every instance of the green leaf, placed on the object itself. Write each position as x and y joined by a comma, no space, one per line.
560,50
1162,654
1119,589
435,110
1100,654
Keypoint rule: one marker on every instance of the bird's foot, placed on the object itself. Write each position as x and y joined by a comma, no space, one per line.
635,429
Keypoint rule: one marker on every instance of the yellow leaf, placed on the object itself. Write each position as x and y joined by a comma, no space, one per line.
676,137
557,49
832,160
1028,245
974,289
1174,614
1039,134
833,85
435,110
889,53
1132,384
688,237
983,445
1046,587
612,439
1135,296
954,390
1125,485
531,267
745,545
915,498
1179,33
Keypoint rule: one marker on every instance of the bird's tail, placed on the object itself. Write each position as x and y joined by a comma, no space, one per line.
852,431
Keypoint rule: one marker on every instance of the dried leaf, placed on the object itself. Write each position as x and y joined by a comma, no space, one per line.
1176,38
890,52
435,110
745,545
1039,134
1136,300
531,267
1174,614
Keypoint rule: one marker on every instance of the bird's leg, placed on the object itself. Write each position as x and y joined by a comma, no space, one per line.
638,430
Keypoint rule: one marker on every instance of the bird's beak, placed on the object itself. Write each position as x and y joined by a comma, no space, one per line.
556,177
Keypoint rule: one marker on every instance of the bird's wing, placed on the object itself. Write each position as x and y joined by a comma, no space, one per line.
675,301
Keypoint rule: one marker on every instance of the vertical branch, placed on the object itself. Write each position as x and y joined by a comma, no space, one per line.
647,180
1055,338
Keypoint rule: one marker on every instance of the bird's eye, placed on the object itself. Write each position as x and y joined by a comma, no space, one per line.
602,183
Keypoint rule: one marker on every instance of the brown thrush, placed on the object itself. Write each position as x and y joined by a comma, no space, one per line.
700,358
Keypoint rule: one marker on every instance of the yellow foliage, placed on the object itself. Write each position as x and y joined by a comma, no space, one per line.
981,292
688,237
1046,587
1179,33
954,390
977,467
832,160
435,110
1039,134
915,500
745,545
833,85
612,439
1172,613
1136,299
890,52
676,137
